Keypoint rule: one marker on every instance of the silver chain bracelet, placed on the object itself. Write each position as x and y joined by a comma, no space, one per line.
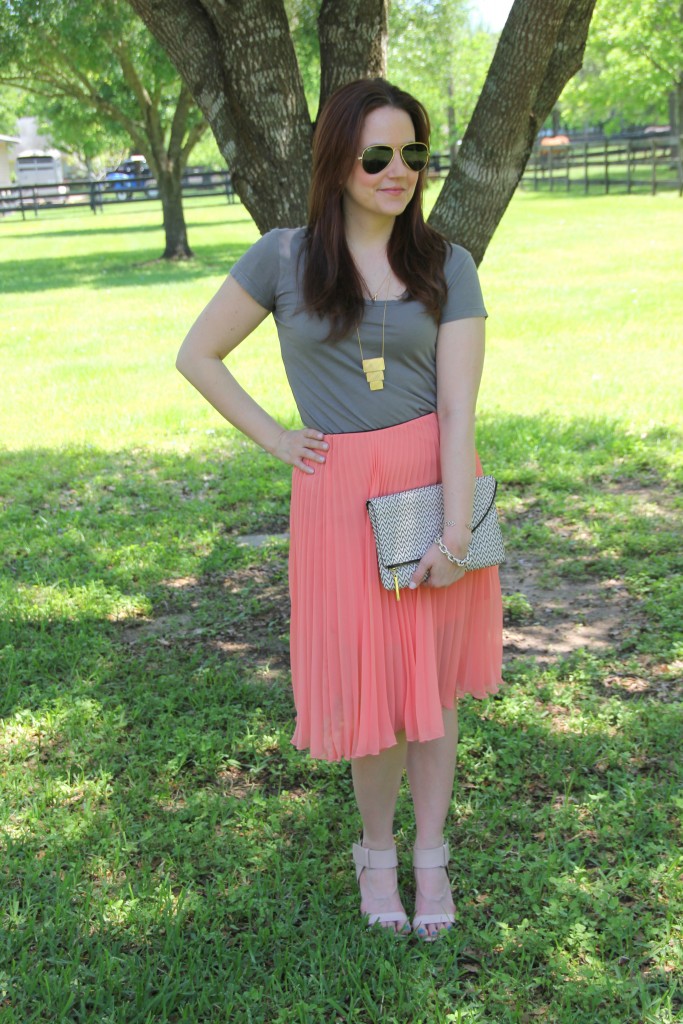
462,562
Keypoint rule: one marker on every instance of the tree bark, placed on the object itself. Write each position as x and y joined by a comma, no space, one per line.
239,63
539,50
353,42
676,108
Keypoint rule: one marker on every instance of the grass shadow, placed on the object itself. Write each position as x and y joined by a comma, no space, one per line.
112,270
96,228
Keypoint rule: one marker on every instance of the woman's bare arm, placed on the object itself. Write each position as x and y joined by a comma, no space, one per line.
226,321
459,364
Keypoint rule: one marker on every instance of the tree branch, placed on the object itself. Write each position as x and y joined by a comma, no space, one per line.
193,136
179,123
186,31
239,63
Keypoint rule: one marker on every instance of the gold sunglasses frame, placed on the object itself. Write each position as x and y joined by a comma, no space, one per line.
394,150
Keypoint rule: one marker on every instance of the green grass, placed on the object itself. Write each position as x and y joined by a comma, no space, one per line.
166,854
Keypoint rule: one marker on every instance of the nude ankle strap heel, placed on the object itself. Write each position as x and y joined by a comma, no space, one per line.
438,857
366,859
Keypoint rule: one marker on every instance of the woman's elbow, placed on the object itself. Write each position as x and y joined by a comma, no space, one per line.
183,361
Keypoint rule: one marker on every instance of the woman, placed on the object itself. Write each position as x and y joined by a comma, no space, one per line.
381,325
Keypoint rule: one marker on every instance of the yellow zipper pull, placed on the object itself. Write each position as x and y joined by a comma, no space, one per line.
398,592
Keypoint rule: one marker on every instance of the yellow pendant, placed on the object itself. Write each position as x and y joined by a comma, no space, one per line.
373,364
374,373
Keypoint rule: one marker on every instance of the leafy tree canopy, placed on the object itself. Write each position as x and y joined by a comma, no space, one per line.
95,71
100,78
13,105
633,69
436,54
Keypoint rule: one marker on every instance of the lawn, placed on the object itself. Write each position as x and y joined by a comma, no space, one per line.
166,855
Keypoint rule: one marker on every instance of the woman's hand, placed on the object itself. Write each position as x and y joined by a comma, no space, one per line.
295,446
435,570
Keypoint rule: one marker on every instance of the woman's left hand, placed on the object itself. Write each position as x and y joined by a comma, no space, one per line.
435,570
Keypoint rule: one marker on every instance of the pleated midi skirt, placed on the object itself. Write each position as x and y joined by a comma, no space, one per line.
365,666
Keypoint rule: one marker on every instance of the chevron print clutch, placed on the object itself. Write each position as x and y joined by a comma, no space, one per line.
405,524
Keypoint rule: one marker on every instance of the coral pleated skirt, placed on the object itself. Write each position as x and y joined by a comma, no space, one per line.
365,666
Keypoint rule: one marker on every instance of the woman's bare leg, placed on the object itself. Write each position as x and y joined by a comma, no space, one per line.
376,782
431,771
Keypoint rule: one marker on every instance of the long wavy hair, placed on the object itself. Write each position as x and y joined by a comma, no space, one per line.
332,286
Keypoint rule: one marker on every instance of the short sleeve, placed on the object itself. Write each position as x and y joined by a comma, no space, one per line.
258,271
464,291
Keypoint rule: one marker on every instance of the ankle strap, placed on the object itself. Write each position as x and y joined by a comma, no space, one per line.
434,858
365,858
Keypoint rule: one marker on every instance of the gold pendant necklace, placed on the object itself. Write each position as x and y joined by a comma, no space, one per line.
374,368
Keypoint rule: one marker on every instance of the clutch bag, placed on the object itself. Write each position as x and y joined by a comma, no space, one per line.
407,523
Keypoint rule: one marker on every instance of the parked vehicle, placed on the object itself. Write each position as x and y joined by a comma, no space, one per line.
130,177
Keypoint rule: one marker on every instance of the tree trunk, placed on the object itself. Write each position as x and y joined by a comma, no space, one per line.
353,42
452,127
170,193
676,108
539,50
239,63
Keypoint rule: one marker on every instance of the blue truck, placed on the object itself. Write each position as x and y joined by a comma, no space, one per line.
131,178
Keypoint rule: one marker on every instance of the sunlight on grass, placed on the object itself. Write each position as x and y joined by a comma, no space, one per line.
586,308
88,357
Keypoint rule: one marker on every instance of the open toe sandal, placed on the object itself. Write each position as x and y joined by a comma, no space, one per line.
438,859
369,860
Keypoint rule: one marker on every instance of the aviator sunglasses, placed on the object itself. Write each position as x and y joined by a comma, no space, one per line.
415,155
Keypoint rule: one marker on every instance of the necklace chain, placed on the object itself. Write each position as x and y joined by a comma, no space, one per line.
384,279
374,368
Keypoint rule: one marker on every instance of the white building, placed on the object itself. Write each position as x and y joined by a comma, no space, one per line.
7,142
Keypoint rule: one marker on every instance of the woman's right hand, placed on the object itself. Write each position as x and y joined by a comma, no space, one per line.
295,446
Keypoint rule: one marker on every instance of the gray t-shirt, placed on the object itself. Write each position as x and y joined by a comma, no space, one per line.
327,378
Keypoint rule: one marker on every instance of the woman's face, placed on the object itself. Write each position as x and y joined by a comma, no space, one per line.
388,193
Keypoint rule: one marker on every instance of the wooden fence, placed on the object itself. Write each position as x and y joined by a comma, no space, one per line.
97,193
630,165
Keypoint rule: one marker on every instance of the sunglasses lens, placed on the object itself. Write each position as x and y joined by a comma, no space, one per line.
376,158
415,156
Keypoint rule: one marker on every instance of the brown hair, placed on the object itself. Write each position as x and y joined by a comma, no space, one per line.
332,286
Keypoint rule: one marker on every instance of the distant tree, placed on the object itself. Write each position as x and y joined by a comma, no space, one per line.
76,129
633,71
12,107
302,16
240,63
435,53
96,72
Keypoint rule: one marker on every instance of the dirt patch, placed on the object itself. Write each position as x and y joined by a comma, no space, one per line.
243,613
596,615
570,614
